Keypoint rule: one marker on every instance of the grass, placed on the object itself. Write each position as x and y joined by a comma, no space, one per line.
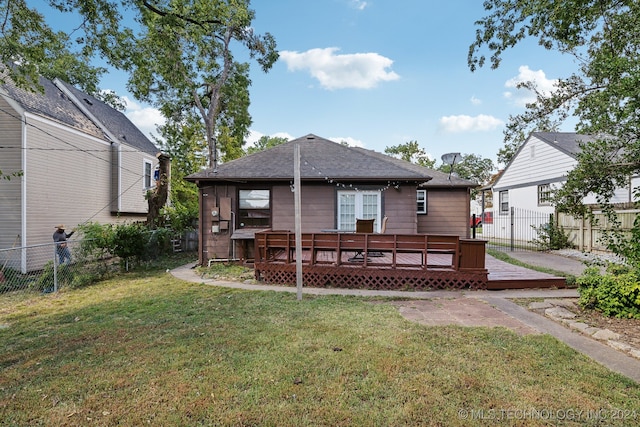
146,348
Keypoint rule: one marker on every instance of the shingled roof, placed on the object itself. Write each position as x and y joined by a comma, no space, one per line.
322,160
567,142
63,103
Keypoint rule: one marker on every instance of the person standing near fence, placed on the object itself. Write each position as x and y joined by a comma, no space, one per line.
60,238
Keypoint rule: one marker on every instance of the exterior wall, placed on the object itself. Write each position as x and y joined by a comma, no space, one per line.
10,190
448,212
132,189
69,185
540,163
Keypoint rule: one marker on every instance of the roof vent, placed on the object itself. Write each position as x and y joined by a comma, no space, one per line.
123,137
310,137
87,101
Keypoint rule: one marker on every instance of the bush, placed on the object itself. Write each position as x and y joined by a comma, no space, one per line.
551,236
616,295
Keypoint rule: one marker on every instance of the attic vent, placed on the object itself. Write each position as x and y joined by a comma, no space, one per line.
87,101
310,137
123,137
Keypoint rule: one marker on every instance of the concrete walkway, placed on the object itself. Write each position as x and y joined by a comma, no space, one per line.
475,308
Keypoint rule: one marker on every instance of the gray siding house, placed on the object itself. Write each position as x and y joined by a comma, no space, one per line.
81,161
339,185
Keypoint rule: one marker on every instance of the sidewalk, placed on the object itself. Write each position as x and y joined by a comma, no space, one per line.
475,308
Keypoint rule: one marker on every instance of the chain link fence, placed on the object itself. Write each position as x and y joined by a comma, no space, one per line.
41,269
37,268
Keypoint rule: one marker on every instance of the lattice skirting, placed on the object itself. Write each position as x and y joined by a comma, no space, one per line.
317,276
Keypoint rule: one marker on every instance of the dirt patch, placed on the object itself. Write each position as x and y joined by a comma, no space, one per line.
629,329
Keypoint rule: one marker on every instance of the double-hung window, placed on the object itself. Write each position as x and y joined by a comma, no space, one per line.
360,205
504,202
421,198
147,172
544,195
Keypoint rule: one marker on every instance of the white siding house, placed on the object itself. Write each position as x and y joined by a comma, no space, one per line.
540,165
80,160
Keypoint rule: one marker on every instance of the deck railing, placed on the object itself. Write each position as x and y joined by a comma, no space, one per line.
423,251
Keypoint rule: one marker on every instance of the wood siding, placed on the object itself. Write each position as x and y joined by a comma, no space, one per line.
448,212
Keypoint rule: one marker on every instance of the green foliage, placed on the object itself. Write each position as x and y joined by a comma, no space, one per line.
45,283
602,93
265,142
129,242
612,294
551,236
411,152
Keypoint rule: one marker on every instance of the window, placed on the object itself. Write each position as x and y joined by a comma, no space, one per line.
421,197
504,202
544,195
148,174
254,208
358,204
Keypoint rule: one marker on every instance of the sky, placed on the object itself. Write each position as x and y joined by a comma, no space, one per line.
380,73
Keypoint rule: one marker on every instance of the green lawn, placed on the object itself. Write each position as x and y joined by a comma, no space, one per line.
149,349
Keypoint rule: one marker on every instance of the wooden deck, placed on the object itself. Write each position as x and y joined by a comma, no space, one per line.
389,262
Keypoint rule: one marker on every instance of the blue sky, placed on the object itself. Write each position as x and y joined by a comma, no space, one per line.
379,73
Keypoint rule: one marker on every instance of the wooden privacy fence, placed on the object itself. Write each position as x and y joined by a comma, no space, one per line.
373,261
588,235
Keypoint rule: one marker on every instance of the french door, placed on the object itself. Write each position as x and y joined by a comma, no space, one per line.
358,204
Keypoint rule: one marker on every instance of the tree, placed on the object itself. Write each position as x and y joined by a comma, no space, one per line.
184,56
473,168
603,93
265,142
411,152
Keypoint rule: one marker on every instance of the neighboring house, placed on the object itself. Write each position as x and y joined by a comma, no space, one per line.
339,184
541,165
81,161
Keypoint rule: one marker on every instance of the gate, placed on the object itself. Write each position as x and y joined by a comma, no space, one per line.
515,230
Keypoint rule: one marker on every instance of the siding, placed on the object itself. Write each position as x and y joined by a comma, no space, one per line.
10,162
68,180
448,212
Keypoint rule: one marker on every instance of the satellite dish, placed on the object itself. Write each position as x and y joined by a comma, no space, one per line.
451,158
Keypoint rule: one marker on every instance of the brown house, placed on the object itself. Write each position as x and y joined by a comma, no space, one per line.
339,184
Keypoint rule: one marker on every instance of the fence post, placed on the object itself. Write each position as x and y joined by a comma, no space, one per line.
512,228
55,268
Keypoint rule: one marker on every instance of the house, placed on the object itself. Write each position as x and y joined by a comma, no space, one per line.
80,159
339,184
540,165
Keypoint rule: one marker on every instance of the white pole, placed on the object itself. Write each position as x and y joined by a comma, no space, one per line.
297,202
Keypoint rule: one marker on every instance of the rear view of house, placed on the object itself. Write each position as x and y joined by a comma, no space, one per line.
339,185
80,160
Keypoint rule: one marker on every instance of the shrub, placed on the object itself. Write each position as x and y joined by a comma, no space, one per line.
615,295
551,236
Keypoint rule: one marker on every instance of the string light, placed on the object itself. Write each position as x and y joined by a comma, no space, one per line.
350,186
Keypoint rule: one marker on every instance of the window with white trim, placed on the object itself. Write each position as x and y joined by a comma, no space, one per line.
360,205
544,195
254,208
504,202
421,198
148,174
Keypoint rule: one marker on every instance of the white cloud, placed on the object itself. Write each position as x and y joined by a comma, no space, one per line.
145,118
475,101
351,142
357,70
521,97
462,123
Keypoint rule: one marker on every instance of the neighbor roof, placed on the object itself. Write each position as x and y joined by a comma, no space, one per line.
321,160
567,142
63,103
115,123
